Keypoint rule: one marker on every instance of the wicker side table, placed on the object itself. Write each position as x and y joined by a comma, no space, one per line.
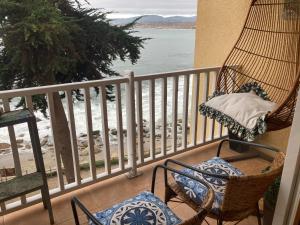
22,185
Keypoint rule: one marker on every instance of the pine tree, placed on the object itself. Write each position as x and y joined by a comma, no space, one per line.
45,42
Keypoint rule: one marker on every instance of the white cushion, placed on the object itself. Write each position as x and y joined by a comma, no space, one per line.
244,108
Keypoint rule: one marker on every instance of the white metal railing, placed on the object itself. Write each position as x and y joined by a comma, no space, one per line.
177,94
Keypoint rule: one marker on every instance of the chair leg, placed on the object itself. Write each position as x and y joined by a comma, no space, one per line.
220,222
169,194
258,215
47,203
75,214
44,195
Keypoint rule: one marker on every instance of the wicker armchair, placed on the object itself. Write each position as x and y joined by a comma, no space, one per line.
241,194
267,52
146,208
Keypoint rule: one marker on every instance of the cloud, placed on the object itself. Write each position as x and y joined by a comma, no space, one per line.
162,7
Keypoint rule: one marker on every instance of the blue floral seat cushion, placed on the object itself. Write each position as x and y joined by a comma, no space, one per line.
197,192
144,209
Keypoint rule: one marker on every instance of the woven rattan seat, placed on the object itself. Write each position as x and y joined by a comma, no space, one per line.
242,193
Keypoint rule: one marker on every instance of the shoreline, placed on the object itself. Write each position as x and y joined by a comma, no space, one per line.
167,26
26,155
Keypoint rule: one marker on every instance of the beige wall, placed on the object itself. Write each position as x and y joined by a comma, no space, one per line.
219,24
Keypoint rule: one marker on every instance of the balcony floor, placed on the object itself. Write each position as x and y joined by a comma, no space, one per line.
105,194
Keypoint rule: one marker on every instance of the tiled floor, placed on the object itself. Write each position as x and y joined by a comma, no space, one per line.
107,193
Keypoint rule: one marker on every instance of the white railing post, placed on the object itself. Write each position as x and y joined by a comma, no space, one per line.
131,126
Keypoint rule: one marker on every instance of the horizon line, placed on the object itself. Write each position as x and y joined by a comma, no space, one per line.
130,15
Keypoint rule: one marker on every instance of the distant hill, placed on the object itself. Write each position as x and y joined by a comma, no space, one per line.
159,21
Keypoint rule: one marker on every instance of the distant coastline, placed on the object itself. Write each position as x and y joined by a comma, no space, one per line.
167,26
160,22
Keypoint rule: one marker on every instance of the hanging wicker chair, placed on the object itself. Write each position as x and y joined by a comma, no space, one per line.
267,52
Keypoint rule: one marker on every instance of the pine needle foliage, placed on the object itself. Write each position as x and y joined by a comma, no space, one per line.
45,42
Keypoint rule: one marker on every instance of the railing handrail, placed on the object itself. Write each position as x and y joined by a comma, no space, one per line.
61,87
184,135
175,73
97,83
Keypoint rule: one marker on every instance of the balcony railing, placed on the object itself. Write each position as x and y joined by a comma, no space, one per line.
169,101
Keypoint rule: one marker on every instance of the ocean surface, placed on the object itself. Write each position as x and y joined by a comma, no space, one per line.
167,50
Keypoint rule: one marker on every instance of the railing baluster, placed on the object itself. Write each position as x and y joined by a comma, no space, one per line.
14,147
220,125
131,128
29,104
185,109
212,132
175,113
212,78
105,135
224,133
204,99
120,127
89,127
164,116
221,133
73,135
152,117
2,206
139,115
194,128
57,153
220,130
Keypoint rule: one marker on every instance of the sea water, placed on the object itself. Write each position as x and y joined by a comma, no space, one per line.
166,50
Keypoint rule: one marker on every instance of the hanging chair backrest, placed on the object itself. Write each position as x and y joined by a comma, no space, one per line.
267,51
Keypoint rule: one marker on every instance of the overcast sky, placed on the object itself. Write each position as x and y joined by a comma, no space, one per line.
127,8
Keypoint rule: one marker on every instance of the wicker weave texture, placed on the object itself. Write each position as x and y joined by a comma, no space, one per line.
267,52
202,210
241,195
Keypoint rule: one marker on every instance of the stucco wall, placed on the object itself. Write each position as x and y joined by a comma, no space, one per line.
219,24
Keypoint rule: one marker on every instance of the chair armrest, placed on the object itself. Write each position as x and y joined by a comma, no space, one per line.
165,168
226,177
245,143
75,202
205,207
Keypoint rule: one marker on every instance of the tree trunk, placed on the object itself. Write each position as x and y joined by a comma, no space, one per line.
63,138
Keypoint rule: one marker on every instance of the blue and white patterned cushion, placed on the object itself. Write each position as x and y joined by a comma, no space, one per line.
197,192
144,209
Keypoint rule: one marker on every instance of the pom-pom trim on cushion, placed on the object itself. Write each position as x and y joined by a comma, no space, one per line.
235,127
254,86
